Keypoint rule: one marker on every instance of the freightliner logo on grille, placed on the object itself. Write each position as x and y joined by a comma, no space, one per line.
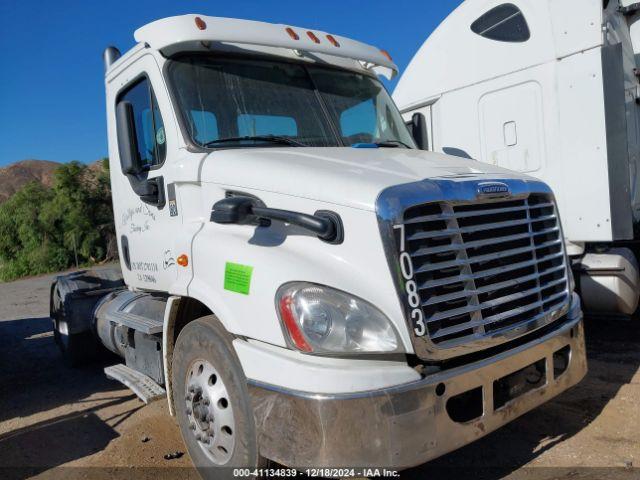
493,189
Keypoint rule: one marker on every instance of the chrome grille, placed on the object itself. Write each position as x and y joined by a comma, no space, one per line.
486,268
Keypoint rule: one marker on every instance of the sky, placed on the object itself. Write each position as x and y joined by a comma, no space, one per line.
52,76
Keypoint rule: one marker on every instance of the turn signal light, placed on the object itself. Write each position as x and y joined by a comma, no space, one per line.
286,312
386,54
313,37
200,23
183,260
292,33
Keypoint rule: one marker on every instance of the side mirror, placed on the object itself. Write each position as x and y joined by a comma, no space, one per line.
232,210
325,224
127,141
419,131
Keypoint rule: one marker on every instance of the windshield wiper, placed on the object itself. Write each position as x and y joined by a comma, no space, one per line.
392,144
260,138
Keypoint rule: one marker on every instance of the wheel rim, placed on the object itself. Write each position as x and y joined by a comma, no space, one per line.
209,412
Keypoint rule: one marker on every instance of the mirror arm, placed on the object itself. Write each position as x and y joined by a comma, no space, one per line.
325,224
151,191
322,227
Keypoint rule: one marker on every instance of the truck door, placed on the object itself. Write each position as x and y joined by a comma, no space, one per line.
511,129
144,203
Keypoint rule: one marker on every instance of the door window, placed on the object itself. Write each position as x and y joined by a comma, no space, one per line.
149,128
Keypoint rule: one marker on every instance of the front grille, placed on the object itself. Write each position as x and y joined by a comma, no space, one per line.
486,268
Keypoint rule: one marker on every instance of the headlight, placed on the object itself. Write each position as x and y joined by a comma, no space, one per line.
319,319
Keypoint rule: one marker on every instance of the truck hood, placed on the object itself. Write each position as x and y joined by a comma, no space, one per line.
352,177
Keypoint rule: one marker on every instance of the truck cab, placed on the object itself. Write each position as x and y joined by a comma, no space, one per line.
548,88
304,283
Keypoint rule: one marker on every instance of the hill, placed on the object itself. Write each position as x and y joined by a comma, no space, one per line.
13,177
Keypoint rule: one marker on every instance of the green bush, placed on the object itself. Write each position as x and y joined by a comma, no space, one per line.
42,230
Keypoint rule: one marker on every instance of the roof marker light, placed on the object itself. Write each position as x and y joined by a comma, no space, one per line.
292,33
313,37
200,23
333,41
386,54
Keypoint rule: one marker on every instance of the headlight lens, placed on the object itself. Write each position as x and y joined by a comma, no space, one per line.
319,319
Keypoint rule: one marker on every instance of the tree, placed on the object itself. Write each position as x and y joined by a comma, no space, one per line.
25,245
43,230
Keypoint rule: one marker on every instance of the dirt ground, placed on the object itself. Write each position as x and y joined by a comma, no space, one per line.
57,422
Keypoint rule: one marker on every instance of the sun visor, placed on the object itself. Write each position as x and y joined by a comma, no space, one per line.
187,29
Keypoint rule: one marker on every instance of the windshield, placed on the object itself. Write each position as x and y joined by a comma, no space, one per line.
230,102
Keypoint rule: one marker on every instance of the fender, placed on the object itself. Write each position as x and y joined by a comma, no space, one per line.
171,321
168,341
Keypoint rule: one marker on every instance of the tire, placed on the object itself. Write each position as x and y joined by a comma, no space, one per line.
212,401
77,349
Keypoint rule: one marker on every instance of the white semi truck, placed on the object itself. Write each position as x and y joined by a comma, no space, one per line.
549,88
304,284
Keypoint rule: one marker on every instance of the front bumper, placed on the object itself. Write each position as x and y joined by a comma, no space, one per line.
410,424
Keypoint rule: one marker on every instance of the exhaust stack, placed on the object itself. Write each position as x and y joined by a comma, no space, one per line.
110,55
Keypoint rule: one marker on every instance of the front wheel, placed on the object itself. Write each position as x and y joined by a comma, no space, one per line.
212,401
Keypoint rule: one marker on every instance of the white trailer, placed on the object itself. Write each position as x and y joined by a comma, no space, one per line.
305,284
549,88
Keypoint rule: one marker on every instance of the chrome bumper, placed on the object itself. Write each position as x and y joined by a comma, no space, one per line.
404,426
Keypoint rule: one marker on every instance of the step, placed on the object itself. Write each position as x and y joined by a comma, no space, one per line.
144,387
146,325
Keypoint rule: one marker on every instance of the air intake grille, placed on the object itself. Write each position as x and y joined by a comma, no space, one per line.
485,268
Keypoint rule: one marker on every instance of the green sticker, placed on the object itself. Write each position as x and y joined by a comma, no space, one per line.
237,278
